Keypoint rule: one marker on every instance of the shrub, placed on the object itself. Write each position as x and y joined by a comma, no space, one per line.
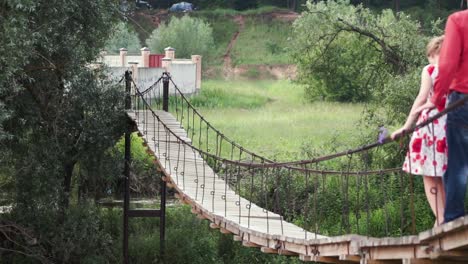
186,34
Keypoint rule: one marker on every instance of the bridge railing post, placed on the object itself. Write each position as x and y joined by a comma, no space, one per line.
166,92
128,90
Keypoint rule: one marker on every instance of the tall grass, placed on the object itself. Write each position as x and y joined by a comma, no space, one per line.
262,42
274,119
233,12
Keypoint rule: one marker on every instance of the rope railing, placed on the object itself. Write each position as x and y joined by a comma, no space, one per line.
226,180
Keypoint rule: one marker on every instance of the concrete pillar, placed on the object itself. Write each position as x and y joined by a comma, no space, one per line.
169,52
166,64
145,54
123,57
197,59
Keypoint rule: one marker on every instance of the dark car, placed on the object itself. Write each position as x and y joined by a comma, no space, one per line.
142,4
181,7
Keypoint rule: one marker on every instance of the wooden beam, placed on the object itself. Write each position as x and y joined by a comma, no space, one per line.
305,258
237,238
286,252
431,261
351,258
249,244
395,252
452,240
214,226
268,250
194,210
201,216
225,231
326,259
454,255
388,261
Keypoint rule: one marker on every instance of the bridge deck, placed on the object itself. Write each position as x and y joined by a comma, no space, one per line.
212,198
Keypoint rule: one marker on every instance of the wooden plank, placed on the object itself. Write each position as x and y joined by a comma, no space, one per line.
452,240
249,244
460,255
396,252
201,216
237,238
268,250
214,226
350,258
431,261
287,252
432,234
325,259
373,261
225,231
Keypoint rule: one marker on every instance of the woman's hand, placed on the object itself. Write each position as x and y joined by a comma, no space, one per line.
399,132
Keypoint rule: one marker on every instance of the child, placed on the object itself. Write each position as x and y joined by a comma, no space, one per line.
427,153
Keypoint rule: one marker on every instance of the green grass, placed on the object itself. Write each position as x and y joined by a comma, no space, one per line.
233,12
281,123
262,42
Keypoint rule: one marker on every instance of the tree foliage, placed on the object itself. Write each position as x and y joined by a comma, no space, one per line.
123,37
346,52
187,35
56,112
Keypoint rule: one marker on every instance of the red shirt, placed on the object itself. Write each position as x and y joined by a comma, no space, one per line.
453,60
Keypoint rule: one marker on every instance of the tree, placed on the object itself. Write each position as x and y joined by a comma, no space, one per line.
123,37
187,35
346,52
55,111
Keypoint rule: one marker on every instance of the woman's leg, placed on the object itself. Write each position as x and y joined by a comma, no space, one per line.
435,194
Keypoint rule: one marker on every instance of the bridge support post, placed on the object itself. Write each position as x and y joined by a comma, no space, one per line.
162,222
128,106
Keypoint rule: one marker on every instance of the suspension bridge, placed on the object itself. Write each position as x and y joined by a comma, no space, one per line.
256,199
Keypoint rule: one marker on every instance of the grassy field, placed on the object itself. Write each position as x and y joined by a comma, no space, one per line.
273,118
262,42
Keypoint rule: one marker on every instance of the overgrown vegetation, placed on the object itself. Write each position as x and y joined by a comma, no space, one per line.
263,41
187,35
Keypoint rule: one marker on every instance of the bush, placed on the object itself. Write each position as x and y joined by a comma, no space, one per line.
76,236
187,35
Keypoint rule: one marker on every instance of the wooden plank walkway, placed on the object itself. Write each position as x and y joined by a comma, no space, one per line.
212,198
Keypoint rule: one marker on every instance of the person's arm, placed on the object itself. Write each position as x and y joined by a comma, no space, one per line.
449,60
420,100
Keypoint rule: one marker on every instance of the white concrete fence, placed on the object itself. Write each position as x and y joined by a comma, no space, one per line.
186,73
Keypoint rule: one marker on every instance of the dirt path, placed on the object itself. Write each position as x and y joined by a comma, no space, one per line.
227,67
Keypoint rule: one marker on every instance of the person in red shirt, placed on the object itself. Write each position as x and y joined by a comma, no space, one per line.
453,80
